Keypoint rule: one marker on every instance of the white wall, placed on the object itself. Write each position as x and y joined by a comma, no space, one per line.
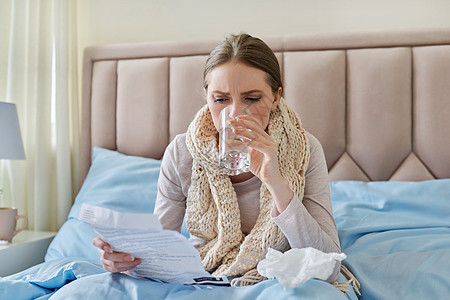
121,21
117,21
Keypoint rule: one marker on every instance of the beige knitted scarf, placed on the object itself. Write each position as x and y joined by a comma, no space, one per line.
212,207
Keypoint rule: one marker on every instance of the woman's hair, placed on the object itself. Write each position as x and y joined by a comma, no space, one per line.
249,50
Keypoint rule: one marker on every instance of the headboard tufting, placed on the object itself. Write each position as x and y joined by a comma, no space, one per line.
378,102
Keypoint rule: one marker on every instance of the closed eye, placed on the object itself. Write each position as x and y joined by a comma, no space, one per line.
253,99
219,99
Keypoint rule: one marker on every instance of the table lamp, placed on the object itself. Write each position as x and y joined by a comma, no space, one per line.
11,146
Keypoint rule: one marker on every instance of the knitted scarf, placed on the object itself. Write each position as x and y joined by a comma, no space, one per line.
212,208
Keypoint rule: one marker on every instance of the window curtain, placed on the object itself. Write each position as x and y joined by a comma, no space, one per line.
38,72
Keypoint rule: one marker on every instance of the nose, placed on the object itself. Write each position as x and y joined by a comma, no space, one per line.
236,110
233,111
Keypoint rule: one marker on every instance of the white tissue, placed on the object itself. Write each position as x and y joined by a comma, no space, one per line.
297,266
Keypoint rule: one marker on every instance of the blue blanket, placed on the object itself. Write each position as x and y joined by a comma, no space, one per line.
396,236
78,278
72,270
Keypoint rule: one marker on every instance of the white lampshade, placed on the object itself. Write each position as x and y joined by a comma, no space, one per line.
11,146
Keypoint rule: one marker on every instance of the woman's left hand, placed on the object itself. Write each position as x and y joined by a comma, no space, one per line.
263,154
264,159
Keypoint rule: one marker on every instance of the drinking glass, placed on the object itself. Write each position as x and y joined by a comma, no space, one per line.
234,153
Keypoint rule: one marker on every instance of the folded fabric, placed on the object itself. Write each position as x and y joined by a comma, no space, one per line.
296,266
78,278
43,280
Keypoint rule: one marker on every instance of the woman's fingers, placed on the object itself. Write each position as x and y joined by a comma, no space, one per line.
101,244
118,262
250,131
118,256
264,154
253,135
248,122
114,261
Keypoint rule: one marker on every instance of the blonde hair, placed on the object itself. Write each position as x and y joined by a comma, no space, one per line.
249,50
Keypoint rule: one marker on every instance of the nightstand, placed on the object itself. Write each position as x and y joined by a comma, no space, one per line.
27,249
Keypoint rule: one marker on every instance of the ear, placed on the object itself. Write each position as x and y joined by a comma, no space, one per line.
277,97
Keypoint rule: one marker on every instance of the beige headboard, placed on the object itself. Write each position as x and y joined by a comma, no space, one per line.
379,102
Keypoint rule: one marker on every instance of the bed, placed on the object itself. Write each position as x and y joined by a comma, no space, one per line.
379,102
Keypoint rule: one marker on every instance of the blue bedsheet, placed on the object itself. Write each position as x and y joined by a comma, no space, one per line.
396,236
78,278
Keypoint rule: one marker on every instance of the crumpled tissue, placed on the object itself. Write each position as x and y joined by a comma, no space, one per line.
296,266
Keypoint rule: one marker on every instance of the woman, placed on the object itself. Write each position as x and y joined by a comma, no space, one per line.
282,203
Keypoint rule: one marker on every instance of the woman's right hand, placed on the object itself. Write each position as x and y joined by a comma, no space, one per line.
114,262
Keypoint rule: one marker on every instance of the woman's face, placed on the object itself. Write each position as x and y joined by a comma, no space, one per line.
240,85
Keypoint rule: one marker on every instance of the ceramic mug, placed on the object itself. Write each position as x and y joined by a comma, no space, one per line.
8,223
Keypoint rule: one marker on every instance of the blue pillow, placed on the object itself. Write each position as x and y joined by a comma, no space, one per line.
120,182
74,239
116,181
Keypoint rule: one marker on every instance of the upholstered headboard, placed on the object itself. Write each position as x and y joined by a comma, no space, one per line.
379,102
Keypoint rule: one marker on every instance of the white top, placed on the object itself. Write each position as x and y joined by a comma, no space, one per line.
307,223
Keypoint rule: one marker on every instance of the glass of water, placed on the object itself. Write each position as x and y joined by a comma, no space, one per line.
234,153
